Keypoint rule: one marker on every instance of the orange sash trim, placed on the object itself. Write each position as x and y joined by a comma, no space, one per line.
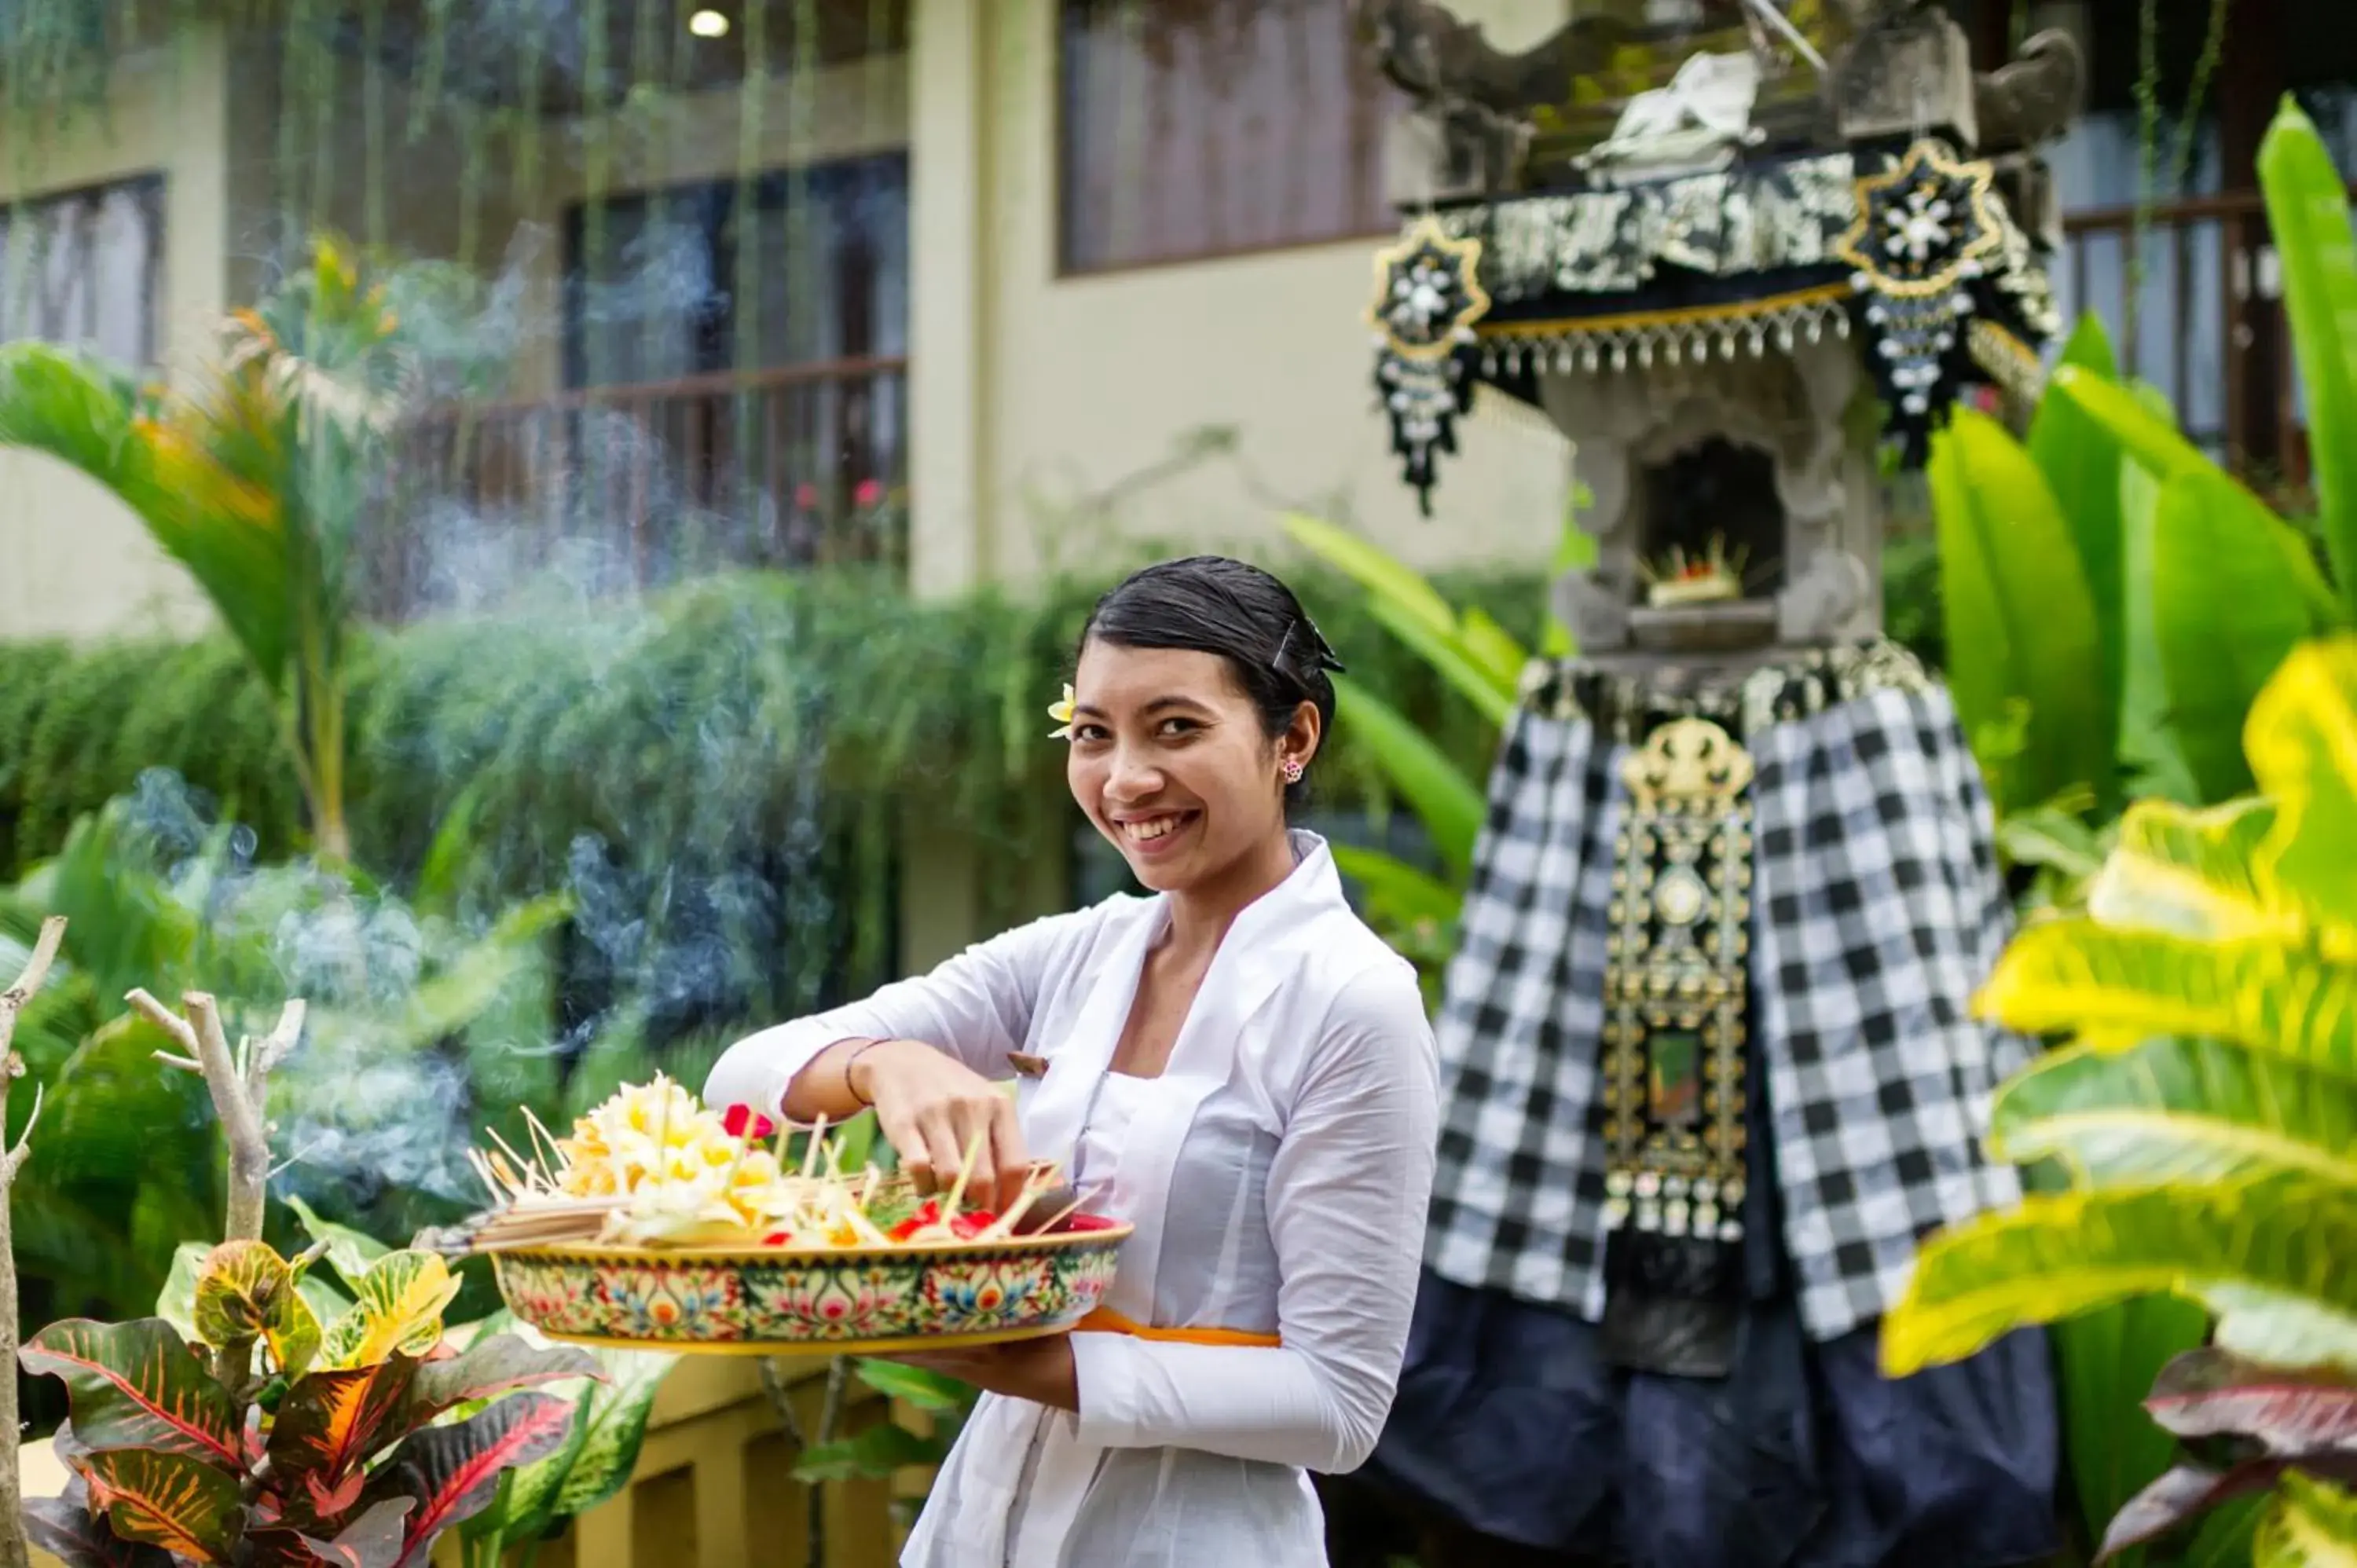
1106,1320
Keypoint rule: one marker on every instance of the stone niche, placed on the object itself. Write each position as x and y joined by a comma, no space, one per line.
1763,452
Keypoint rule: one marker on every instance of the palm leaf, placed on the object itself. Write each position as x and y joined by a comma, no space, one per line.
93,418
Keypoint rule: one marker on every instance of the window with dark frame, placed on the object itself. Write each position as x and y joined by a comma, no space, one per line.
85,269
1197,128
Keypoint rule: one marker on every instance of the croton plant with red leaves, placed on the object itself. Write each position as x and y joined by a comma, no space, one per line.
277,1441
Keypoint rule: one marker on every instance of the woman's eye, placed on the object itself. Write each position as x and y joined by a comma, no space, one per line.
1089,732
1179,727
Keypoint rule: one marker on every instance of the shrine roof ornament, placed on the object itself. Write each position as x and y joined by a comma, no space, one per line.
1687,200
1429,294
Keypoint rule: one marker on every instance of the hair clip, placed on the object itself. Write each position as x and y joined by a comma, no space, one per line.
1323,652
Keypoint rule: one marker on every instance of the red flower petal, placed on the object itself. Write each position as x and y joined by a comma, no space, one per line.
736,1119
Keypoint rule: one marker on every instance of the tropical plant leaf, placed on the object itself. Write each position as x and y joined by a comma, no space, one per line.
2310,1523
2149,439
2308,215
453,1472
2302,739
2190,872
329,1423
372,1540
1387,579
2290,1412
2106,1360
137,1386
2227,609
923,1389
523,1507
64,1527
2243,1250
1401,892
876,1454
352,1252
1452,659
399,1307
2082,462
2177,1110
618,1409
2180,1495
1449,806
2020,619
175,1303
1497,649
492,1366
246,1291
173,1501
2119,987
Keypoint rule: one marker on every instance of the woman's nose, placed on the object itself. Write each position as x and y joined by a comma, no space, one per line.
1134,776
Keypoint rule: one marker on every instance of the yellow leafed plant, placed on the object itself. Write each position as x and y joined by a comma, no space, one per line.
2205,1105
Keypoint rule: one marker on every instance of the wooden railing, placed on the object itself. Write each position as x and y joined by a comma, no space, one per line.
631,487
2198,311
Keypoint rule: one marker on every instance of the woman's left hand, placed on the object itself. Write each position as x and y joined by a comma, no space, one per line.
1040,1370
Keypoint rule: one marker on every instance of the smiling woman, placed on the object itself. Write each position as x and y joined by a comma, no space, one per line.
1235,1065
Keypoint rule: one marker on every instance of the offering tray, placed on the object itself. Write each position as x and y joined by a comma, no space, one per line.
772,1301
661,1224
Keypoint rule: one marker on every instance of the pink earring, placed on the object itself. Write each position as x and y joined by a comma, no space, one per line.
1292,771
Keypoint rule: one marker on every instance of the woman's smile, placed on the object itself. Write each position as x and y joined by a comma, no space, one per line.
1156,832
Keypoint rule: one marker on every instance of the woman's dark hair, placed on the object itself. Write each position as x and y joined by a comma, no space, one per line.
1210,604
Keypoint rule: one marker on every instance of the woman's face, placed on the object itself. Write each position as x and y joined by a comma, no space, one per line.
1170,761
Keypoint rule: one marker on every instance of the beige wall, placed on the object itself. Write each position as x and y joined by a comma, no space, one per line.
73,561
1037,394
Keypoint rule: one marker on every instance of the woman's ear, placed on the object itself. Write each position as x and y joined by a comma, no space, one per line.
1303,736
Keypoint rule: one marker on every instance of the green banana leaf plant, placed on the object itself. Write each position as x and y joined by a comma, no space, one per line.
2114,600
257,479
2205,1108
1415,910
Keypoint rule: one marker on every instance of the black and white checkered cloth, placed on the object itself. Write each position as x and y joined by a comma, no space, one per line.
1878,908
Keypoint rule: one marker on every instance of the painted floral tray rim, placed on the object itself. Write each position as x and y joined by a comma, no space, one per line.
890,1345
1103,1233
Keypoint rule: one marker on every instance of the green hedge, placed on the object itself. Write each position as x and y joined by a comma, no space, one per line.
677,734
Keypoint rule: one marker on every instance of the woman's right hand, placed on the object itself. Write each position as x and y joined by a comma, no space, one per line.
931,1107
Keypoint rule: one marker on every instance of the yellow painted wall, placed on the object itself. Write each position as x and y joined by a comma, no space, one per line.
73,561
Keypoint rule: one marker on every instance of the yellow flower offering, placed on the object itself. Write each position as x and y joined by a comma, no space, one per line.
1061,712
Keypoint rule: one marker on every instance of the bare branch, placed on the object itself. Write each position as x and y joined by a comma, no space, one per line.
186,1064
240,1120
264,1056
14,1159
37,969
164,1018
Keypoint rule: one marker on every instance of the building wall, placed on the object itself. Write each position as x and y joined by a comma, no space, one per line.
1036,395
73,561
